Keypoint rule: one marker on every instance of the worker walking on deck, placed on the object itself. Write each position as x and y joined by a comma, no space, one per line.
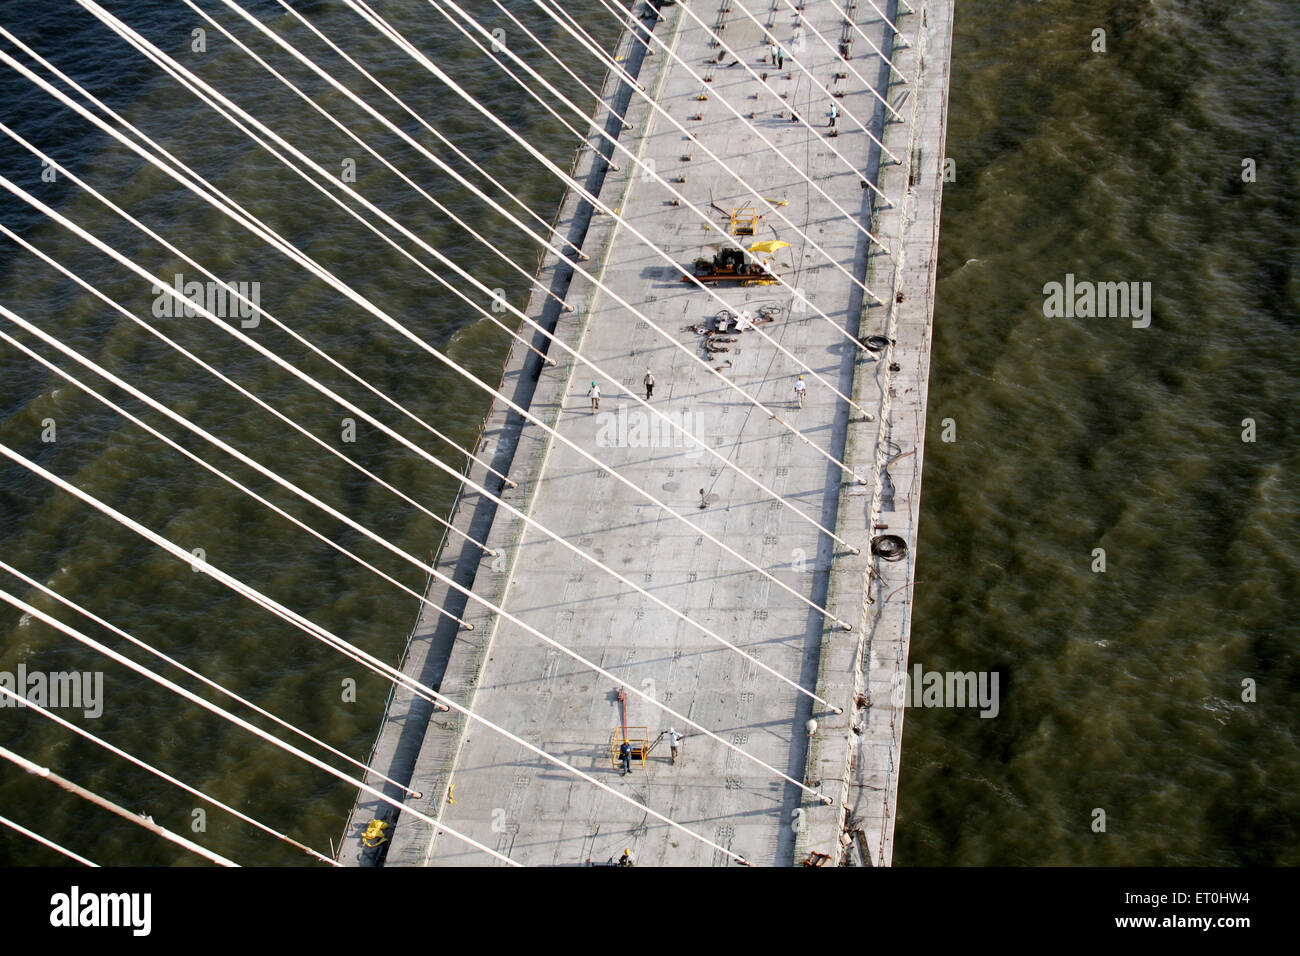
833,112
649,383
778,55
674,743
593,393
800,390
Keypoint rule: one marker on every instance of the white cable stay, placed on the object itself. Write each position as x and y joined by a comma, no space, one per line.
289,485
231,330
208,705
600,285
163,775
460,154
395,674
595,201
159,407
239,388
139,819
23,323
846,61
361,300
44,842
647,169
559,60
704,216
529,277
269,236
50,592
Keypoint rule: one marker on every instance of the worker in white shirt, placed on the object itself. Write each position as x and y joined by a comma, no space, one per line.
593,393
674,743
800,390
649,383
833,112
778,55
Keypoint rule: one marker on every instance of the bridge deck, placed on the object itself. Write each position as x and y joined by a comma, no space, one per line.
492,789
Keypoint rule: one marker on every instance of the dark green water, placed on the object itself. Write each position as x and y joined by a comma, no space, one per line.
1122,690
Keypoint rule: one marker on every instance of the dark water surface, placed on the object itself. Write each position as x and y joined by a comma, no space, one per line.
1121,690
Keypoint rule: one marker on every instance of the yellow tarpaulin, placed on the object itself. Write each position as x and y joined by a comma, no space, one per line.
769,245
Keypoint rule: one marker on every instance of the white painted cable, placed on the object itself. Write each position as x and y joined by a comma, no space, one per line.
893,26
228,449
50,592
648,170
218,200
460,154
43,841
207,705
427,568
809,74
356,297
163,775
241,588
595,201
599,284
139,819
846,19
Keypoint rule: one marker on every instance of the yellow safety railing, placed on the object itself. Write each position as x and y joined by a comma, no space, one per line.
638,737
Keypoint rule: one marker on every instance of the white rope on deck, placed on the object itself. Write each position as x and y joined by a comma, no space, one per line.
90,796
43,841
163,775
194,698
310,627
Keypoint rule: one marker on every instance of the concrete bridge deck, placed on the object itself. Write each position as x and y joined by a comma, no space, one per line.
492,789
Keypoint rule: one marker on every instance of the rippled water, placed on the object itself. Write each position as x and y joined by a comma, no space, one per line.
1121,690
1125,687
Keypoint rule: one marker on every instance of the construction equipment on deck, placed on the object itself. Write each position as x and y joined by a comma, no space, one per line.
731,265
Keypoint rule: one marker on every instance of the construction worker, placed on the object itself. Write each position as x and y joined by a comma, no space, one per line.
674,743
833,112
800,390
625,756
649,382
778,55
627,859
593,393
